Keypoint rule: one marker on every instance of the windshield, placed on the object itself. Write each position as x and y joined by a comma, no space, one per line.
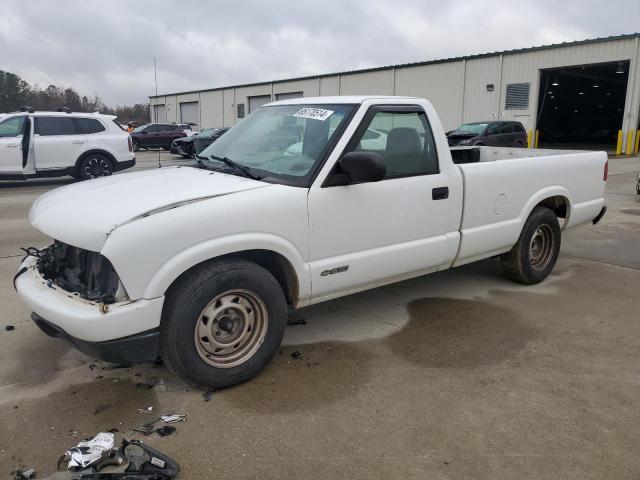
283,142
141,127
475,128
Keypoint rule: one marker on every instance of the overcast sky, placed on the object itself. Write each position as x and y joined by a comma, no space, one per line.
107,47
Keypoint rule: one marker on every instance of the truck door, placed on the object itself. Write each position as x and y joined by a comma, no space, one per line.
12,130
407,224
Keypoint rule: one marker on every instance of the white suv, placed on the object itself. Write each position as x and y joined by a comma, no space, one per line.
53,144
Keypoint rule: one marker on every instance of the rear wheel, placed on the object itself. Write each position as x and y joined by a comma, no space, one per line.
532,259
95,165
222,323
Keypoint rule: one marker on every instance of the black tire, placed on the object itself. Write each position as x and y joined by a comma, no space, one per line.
186,303
519,144
136,146
95,165
532,259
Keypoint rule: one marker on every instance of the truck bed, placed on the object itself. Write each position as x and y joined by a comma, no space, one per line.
503,185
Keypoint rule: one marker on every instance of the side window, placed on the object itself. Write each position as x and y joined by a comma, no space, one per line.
49,126
493,129
405,141
518,128
12,127
88,125
506,128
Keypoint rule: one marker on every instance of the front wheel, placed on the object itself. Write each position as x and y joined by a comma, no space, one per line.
222,322
532,259
136,146
95,166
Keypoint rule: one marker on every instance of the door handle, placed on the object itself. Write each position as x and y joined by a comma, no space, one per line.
440,193
77,142
13,145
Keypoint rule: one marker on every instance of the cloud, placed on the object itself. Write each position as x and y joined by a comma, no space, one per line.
108,47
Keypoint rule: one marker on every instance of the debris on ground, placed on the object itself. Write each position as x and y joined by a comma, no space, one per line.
207,395
296,355
134,460
173,418
165,431
90,451
299,321
169,417
8,328
145,410
147,385
27,474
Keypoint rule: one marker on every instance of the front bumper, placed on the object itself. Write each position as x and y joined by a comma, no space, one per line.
81,319
142,347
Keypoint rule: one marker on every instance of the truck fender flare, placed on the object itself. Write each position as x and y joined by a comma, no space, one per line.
541,196
209,250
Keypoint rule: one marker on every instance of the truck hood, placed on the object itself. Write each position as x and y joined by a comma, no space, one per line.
85,213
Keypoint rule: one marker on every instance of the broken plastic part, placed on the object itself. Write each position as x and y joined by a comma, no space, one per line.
27,474
90,451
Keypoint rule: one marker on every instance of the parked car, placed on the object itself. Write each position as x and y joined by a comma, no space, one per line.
494,134
156,135
186,146
52,144
199,266
203,141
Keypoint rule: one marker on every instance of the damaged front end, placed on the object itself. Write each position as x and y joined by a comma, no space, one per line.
84,273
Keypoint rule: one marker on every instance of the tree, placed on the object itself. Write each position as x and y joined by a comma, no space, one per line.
16,93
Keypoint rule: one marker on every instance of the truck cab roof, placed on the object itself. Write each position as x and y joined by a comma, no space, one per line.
346,99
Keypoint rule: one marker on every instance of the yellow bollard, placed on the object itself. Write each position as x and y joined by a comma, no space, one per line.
637,149
619,145
537,138
631,140
529,138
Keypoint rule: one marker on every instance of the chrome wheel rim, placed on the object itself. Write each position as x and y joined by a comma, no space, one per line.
97,167
231,328
541,247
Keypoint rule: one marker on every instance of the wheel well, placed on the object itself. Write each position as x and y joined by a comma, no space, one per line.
558,205
101,152
273,262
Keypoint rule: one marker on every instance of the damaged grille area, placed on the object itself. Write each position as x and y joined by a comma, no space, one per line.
75,270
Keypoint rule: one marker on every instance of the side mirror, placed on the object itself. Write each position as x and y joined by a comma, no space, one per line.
359,167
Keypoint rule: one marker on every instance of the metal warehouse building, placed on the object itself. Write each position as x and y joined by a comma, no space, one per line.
584,93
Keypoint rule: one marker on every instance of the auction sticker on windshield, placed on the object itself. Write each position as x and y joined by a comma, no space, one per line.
313,113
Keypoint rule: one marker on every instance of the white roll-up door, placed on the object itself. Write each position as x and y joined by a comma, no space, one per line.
288,95
257,102
159,114
189,112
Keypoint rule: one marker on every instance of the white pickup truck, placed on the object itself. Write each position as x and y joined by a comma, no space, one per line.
199,266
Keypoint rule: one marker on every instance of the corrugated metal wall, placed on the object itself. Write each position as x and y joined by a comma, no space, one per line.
457,89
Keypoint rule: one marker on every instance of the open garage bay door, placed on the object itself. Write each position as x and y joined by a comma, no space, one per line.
257,102
582,107
189,112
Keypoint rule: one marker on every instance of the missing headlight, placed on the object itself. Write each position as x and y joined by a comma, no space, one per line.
80,271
